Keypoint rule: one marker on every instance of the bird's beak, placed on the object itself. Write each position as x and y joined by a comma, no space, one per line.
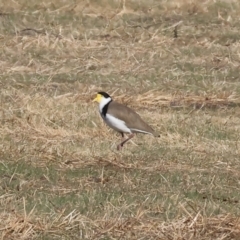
95,99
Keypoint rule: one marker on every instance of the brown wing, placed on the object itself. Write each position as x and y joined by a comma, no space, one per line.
131,118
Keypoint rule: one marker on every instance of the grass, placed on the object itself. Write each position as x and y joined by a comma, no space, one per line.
176,63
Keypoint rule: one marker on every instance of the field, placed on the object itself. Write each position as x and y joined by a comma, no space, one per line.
176,63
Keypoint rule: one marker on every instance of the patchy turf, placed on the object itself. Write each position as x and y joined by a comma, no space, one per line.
176,63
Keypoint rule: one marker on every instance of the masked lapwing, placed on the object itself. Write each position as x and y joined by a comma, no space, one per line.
121,118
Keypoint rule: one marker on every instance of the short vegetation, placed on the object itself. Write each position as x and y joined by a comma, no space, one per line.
176,63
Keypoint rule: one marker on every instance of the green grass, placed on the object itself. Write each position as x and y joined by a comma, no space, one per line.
61,175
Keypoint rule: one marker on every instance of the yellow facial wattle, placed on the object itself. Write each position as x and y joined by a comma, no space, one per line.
97,98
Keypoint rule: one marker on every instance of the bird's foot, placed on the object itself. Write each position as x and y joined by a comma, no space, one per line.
119,147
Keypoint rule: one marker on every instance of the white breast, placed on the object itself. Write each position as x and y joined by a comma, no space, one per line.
116,124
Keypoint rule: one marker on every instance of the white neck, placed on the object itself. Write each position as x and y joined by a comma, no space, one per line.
103,102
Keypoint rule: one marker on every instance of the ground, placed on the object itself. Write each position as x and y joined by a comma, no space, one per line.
176,63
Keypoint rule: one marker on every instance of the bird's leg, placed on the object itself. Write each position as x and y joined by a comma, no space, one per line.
119,147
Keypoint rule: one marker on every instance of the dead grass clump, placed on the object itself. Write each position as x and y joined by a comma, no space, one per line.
29,225
197,227
156,99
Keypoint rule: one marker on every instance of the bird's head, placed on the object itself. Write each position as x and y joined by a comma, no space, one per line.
102,97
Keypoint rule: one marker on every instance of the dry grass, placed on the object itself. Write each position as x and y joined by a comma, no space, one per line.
176,63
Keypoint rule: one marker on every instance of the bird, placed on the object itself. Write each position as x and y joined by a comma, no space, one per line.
121,118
